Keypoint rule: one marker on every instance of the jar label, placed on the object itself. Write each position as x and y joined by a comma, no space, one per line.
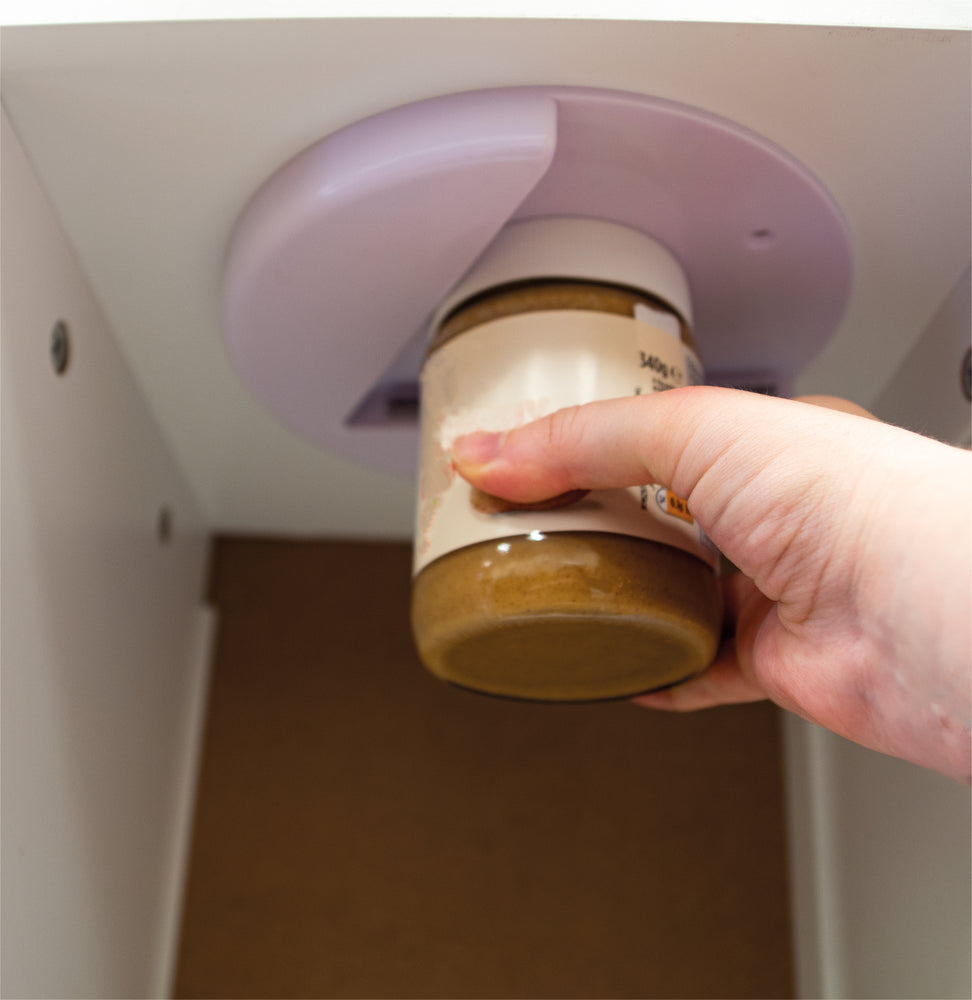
512,370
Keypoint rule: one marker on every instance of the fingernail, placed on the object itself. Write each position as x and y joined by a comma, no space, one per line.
478,448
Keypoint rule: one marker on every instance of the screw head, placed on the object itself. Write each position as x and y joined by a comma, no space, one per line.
60,348
761,239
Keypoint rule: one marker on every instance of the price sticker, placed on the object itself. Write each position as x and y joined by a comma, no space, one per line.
677,507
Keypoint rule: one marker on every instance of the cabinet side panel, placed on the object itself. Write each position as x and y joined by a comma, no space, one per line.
103,552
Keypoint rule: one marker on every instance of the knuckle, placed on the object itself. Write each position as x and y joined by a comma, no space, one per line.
564,430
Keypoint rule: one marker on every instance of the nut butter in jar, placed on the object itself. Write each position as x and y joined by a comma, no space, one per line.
595,596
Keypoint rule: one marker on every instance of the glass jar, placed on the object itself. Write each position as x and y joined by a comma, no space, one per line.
589,596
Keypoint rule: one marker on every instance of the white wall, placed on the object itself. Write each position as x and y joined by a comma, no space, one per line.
925,394
880,873
104,639
881,851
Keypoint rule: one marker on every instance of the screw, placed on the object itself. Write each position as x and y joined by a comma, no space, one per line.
967,374
60,347
761,239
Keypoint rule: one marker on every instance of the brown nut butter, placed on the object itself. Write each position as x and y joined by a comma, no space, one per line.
573,615
590,595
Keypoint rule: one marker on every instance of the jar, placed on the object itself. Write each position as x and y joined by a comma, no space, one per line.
590,596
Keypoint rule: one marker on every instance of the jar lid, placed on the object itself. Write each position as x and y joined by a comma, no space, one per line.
575,248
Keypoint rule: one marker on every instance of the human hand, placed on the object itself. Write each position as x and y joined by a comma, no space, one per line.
852,537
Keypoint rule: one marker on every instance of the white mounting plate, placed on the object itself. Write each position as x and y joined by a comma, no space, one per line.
340,258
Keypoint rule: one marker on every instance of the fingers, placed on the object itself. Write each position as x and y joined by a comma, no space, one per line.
731,678
721,684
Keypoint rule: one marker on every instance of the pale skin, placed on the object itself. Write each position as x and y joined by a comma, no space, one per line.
853,539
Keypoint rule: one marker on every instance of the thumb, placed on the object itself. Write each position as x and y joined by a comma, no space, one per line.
671,438
745,463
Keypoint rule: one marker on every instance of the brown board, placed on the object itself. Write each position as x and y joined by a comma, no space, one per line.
363,830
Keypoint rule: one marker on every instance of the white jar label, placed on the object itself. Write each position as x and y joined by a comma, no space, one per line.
510,371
